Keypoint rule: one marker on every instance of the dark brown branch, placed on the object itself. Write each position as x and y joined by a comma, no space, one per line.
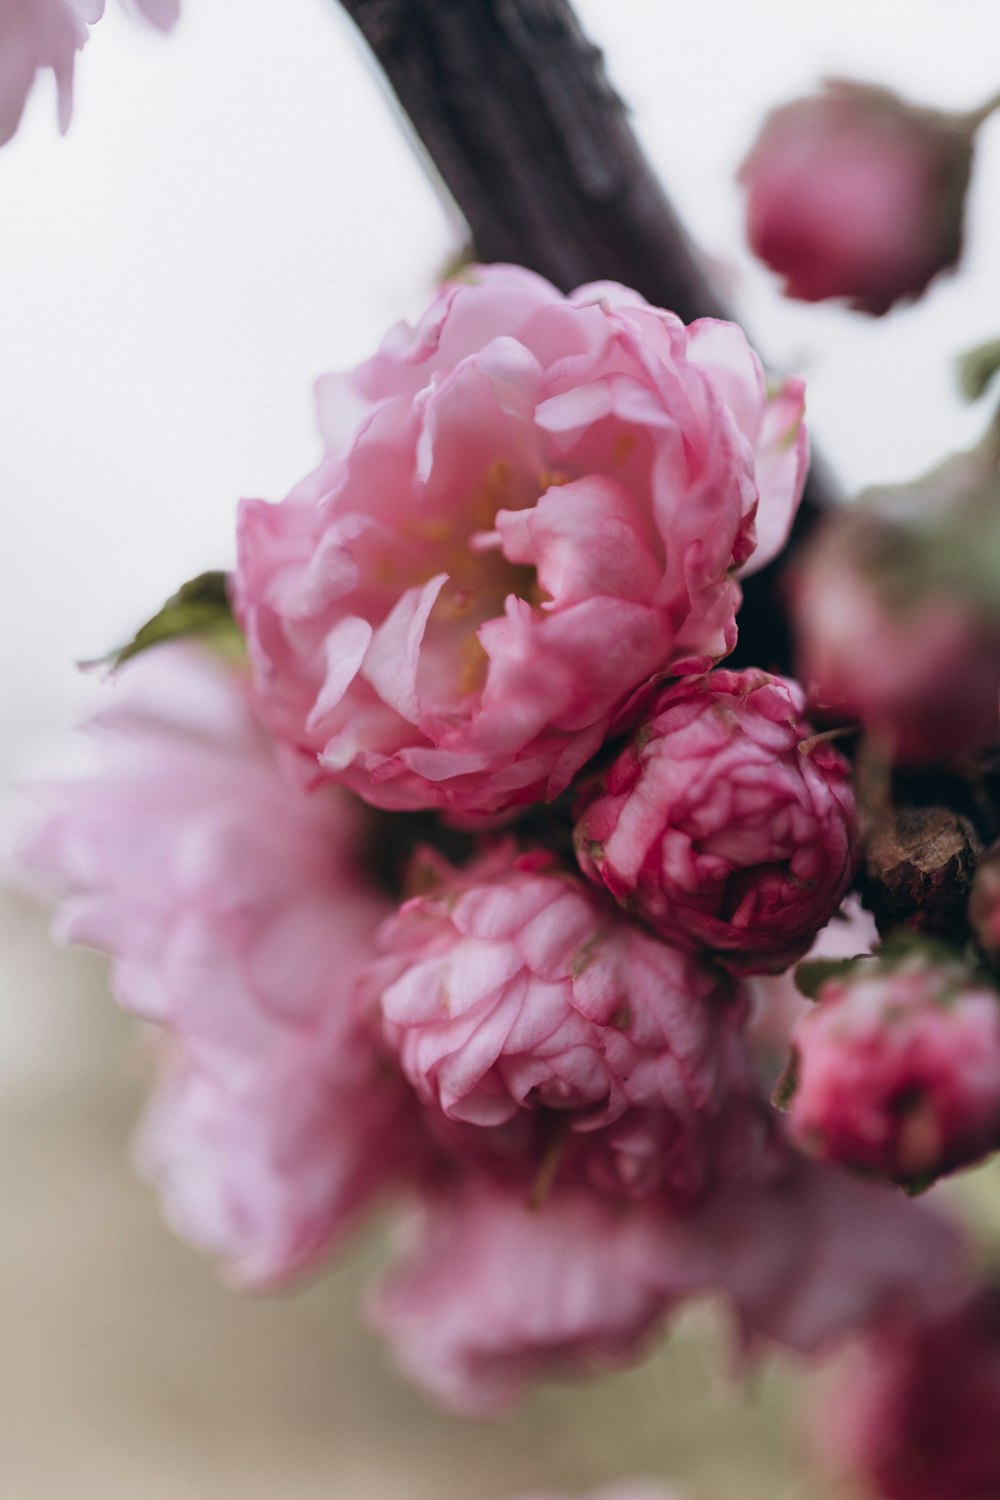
516,113
515,110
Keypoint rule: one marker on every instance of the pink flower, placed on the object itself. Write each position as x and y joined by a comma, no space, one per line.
716,828
855,193
916,1415
892,627
36,34
235,911
493,1294
806,1256
531,505
512,987
896,1069
267,1173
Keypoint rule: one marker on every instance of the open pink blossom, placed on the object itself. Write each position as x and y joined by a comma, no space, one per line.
513,987
531,505
493,1294
896,1068
855,193
916,1414
37,34
267,1173
236,912
719,827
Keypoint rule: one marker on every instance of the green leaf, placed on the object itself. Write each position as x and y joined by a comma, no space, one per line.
977,367
813,973
199,608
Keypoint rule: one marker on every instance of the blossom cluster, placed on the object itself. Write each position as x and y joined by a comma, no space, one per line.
459,886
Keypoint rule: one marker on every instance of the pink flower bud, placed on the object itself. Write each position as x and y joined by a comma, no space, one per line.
896,1070
718,829
916,1414
896,619
236,914
531,505
514,988
855,193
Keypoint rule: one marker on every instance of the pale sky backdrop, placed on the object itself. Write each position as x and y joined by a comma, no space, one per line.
235,210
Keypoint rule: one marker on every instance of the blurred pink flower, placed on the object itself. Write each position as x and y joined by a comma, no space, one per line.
531,505
717,829
236,913
513,987
806,1256
855,193
896,1068
36,34
915,661
916,1413
492,1294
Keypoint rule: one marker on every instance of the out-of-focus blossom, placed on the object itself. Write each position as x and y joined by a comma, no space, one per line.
984,903
267,1173
806,1255
37,34
917,1413
531,505
896,1069
513,986
855,193
719,827
236,912
896,614
493,1294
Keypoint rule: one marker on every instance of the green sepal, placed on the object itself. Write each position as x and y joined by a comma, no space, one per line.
977,367
786,1085
914,1186
813,973
200,607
